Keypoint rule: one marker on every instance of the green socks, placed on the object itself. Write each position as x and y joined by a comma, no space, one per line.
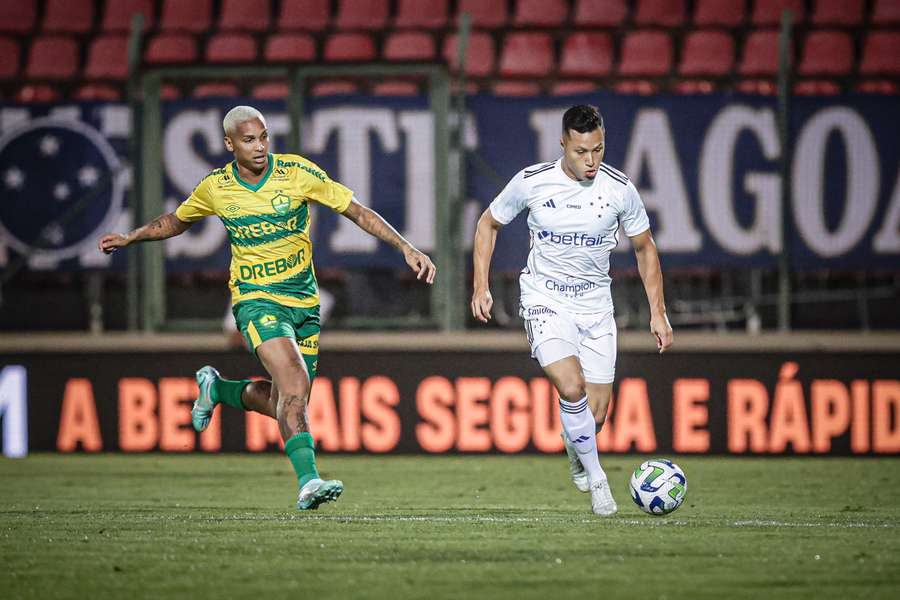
301,450
228,392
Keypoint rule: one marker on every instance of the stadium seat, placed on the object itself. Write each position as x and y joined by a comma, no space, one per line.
484,14
838,12
646,54
107,57
707,53
817,87
527,55
169,48
586,54
240,15
335,87
97,91
516,88
886,12
599,13
881,54
878,86
170,91
421,15
479,54
17,16
765,87
409,46
69,16
118,13
540,13
346,47
693,86
570,88
725,13
768,12
10,55
290,47
194,16
361,14
826,53
52,57
638,86
231,48
206,90
37,93
396,88
271,90
662,13
304,15
760,56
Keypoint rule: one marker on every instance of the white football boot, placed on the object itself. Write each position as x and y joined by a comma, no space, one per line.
316,491
576,469
602,502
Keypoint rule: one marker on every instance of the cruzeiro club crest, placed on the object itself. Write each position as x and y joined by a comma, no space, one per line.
281,202
60,187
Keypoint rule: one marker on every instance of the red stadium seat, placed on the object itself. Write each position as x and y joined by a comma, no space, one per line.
345,47
194,16
646,54
231,48
726,13
760,54
664,13
881,54
290,47
540,13
479,54
586,54
570,88
240,15
305,15
516,88
707,53
765,87
421,15
599,13
768,12
98,91
817,87
71,16
10,56
271,90
170,48
107,58
886,12
17,16
207,90
484,14
37,93
827,53
527,55
639,86
335,87
878,86
362,14
118,13
396,88
409,46
694,86
170,91
52,57
838,12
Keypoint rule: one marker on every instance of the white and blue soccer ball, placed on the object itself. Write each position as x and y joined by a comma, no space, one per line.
658,486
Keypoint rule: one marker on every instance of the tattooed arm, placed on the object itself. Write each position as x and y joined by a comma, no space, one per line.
160,228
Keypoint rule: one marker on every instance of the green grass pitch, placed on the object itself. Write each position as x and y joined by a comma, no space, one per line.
162,526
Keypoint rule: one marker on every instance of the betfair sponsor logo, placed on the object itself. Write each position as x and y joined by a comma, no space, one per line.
272,267
570,239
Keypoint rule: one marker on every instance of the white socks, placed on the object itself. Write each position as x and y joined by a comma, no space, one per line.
579,426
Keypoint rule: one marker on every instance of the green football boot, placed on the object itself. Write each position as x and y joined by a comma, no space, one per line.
201,413
316,491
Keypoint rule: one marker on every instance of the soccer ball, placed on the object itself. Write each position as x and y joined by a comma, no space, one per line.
658,486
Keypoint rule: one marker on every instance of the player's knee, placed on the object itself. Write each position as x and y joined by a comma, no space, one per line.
572,391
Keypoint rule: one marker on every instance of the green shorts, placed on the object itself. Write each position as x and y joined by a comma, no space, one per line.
261,320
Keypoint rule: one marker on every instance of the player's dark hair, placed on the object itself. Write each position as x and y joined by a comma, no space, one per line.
582,118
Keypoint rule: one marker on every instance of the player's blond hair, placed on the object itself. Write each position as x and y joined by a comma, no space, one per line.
238,115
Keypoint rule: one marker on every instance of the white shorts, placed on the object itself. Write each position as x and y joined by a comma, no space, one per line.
591,338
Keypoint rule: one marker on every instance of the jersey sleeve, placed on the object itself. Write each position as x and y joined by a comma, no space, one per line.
198,205
511,201
318,187
634,216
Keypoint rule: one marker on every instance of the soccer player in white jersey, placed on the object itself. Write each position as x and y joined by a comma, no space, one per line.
575,207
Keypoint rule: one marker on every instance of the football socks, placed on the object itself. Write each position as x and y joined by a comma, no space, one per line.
300,449
578,423
226,391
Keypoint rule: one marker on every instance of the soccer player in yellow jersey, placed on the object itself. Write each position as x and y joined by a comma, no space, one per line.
263,200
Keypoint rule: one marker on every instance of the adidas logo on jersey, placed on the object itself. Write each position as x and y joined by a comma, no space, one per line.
550,203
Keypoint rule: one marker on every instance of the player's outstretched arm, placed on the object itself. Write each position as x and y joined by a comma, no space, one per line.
651,275
482,251
371,222
160,228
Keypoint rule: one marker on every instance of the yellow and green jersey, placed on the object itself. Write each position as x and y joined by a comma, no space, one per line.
268,225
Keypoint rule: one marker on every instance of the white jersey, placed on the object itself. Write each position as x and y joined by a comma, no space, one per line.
573,228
